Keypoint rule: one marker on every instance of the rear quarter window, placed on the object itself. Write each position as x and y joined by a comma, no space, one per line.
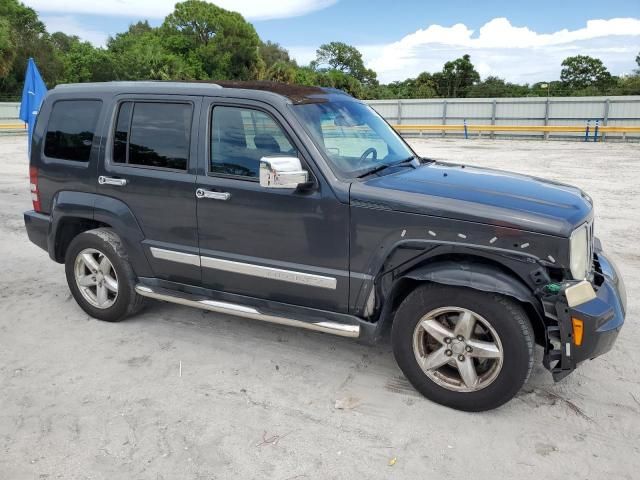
71,127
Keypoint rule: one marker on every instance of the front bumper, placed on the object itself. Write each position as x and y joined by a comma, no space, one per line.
602,318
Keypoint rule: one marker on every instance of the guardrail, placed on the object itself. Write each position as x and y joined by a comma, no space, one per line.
13,127
546,129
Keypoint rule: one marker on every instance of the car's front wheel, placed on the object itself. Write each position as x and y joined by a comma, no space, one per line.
463,348
100,277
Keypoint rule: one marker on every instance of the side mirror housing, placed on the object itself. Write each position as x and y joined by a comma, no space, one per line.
282,172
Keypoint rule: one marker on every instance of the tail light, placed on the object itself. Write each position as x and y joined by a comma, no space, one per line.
35,193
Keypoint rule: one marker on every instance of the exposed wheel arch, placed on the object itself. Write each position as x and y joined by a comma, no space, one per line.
465,271
69,228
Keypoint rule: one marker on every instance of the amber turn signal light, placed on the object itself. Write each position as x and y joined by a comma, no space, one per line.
578,330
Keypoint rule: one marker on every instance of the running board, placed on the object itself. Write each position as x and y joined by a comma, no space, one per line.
181,298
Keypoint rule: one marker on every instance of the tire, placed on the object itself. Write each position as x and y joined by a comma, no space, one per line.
502,364
99,244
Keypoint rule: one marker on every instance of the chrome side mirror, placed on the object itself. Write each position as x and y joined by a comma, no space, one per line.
282,172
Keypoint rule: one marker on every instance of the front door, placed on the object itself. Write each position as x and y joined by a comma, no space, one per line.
284,245
150,165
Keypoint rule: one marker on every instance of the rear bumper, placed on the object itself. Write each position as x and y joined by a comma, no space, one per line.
602,318
37,225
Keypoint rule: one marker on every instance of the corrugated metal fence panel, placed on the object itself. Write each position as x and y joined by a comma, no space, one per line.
620,111
470,110
421,111
9,111
573,110
388,109
520,110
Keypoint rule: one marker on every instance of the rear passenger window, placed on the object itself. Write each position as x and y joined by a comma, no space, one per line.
72,124
153,134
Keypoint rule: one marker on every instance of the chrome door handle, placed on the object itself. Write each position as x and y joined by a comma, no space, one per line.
118,182
202,193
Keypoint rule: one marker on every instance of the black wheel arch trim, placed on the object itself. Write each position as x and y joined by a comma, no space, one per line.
105,210
471,273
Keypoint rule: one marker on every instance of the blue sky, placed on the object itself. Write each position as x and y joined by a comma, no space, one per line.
519,41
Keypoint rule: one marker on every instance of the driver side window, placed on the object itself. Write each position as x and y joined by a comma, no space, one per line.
240,137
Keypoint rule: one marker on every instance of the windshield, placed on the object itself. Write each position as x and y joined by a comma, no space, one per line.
352,136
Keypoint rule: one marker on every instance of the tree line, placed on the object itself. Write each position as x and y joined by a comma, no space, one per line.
200,41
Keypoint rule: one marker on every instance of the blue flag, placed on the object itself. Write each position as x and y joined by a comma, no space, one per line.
32,95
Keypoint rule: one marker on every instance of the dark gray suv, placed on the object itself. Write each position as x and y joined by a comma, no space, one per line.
301,206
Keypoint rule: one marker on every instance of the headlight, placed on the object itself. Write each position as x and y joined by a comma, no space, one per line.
579,253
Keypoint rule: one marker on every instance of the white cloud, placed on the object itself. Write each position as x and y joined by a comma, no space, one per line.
515,53
69,25
250,9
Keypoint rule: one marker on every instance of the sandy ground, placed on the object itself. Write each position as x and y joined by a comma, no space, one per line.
81,398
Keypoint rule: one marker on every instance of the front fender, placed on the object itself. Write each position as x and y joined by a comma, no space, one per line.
470,274
474,275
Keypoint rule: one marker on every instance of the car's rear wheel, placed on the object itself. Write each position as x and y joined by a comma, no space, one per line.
100,277
463,348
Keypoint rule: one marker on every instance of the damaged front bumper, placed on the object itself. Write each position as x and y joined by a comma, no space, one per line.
602,318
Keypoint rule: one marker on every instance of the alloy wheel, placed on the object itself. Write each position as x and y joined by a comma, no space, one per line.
458,349
96,278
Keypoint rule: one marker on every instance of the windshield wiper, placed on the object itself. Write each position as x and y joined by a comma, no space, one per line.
379,168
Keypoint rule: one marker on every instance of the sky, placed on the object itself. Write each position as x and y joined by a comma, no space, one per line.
520,41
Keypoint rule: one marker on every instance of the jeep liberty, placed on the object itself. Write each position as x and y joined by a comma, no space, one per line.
301,206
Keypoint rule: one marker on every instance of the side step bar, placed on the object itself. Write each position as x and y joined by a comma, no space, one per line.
181,298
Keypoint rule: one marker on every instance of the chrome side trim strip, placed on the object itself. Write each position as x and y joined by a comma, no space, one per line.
173,256
342,330
270,273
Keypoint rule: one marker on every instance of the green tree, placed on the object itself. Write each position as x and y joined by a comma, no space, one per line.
456,78
340,80
583,72
492,87
638,63
306,76
225,45
272,53
344,58
281,72
141,53
7,47
29,38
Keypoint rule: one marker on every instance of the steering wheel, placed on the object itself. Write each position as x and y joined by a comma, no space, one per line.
369,151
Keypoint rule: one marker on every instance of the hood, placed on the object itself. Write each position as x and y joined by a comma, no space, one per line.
478,195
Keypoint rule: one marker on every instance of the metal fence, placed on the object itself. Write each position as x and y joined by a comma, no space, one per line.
619,112
480,114
9,121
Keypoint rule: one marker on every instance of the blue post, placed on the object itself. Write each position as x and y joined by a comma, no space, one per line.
586,132
595,132
466,133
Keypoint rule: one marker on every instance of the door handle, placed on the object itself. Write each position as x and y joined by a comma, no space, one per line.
118,182
202,193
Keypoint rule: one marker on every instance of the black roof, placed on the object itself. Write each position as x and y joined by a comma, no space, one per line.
295,93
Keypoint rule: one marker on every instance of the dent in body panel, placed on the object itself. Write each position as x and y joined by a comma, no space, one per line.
378,246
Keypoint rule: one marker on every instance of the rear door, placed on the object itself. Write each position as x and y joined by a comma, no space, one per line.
150,165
